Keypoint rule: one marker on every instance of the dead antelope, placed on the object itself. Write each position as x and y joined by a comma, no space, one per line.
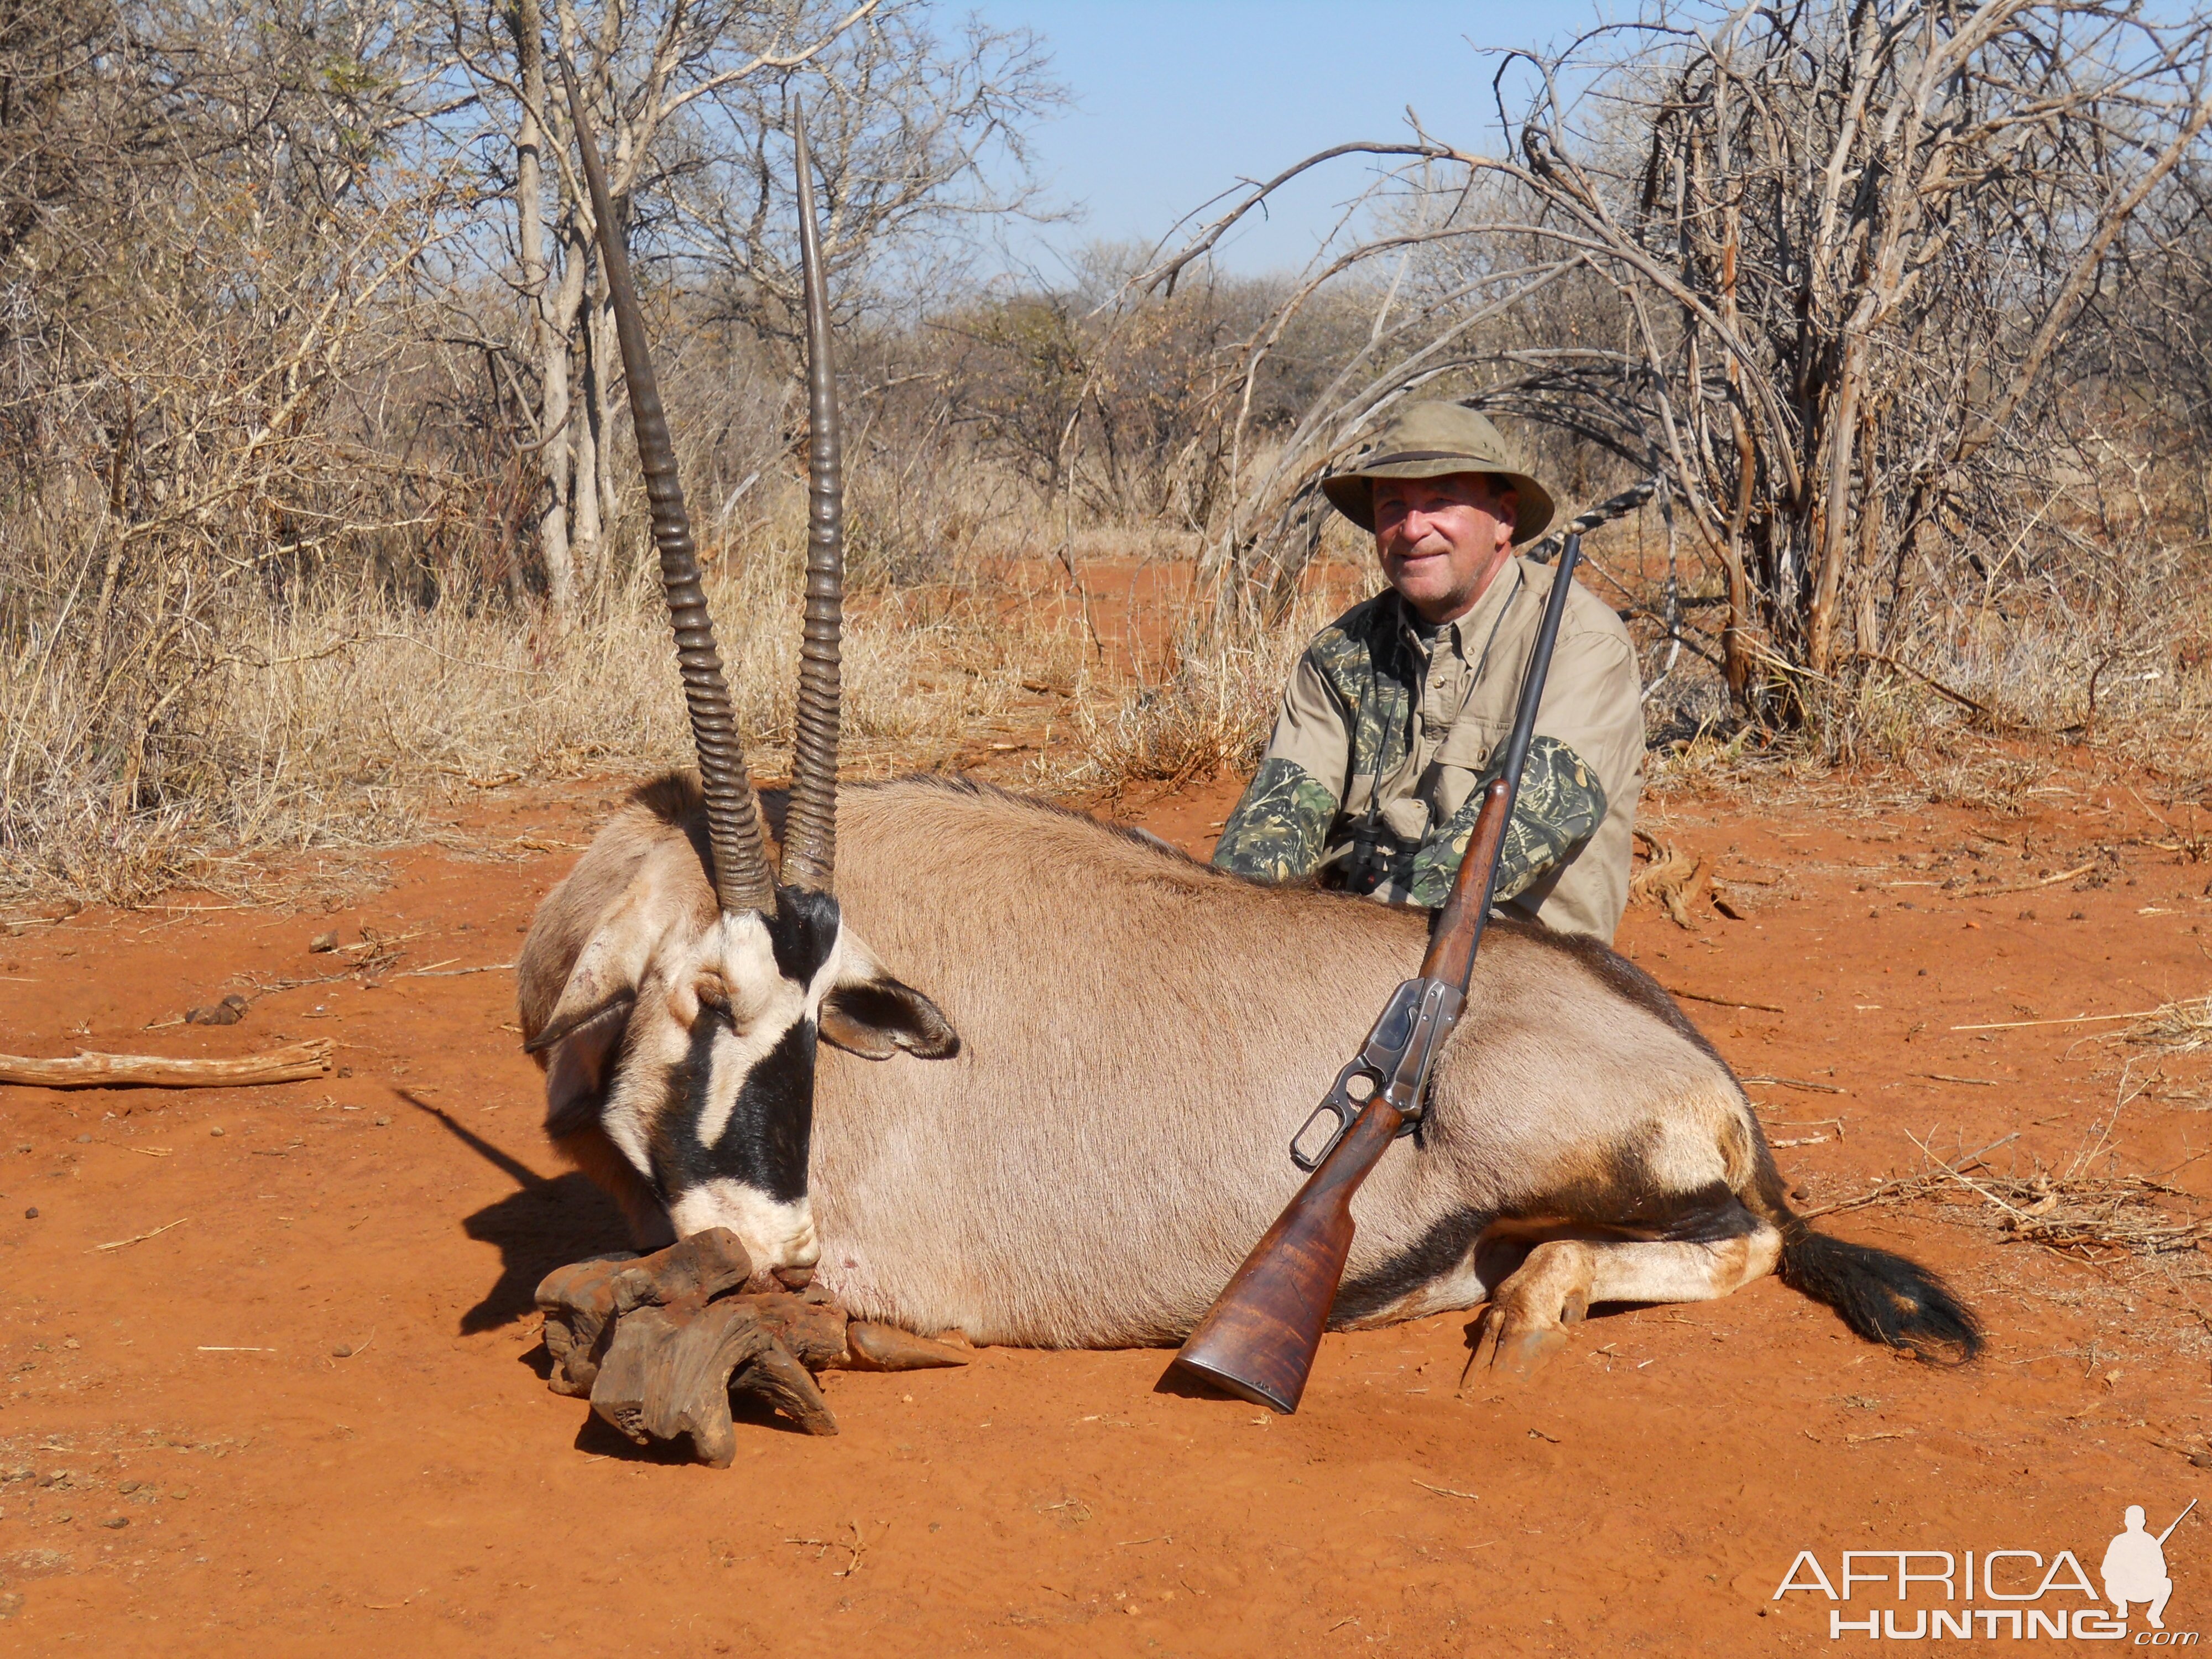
1071,1132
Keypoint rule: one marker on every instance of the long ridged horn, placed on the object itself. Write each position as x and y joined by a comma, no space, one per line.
810,834
742,878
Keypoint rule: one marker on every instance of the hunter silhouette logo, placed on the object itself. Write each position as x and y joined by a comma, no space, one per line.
2135,1567
2024,1594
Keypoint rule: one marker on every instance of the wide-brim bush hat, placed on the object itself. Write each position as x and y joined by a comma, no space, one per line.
1435,441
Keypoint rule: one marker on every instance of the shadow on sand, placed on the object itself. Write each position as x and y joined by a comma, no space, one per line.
543,1224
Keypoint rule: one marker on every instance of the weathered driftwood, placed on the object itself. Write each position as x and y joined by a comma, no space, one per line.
660,1344
92,1070
668,1376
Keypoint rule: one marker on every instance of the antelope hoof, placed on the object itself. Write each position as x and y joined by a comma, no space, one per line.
1514,1343
874,1348
1522,1353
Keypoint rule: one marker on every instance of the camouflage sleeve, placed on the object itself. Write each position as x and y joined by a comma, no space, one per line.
1279,827
1560,803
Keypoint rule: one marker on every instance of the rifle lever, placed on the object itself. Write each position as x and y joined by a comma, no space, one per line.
1393,1064
1336,1105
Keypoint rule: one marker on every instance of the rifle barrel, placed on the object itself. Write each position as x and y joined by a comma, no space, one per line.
1460,924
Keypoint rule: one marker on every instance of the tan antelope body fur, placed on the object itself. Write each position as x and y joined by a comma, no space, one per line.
1140,1035
1079,1139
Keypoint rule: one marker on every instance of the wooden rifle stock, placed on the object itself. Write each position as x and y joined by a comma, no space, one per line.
1258,1340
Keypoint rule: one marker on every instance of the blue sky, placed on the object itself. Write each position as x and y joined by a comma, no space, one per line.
1174,101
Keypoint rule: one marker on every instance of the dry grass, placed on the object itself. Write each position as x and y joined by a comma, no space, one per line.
349,718
1949,755
1974,701
2129,1213
2142,691
2086,1213
2087,1209
345,717
338,719
1211,711
2174,1028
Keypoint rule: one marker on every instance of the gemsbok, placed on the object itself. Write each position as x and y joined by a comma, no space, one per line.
1022,1075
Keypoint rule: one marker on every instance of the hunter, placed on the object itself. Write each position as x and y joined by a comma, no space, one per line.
1392,723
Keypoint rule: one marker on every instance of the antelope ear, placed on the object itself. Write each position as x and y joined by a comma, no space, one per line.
869,1013
617,947
576,1069
583,1030
876,1016
568,1022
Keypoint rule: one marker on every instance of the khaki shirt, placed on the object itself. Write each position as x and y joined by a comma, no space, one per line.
1468,676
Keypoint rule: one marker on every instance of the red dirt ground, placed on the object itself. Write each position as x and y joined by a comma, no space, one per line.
308,1417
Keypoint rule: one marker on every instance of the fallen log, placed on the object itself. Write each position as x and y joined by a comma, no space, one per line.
96,1071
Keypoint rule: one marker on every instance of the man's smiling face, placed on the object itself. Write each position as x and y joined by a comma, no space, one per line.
1441,540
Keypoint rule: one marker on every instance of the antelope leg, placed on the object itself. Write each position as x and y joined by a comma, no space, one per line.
1525,1323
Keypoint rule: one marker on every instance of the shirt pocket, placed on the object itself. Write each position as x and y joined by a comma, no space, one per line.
1407,818
1470,746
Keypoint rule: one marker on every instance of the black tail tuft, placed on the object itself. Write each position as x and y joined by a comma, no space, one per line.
1884,1297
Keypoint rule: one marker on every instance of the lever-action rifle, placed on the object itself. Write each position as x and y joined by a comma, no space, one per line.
1258,1340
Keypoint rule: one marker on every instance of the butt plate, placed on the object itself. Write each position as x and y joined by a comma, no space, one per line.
1275,1398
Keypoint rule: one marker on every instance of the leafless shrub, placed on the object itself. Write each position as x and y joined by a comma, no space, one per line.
1828,272
1104,395
180,452
279,474
315,496
697,103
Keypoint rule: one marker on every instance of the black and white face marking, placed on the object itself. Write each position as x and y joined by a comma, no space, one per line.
693,1050
716,1105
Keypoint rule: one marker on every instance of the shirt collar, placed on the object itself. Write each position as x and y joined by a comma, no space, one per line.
1479,624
